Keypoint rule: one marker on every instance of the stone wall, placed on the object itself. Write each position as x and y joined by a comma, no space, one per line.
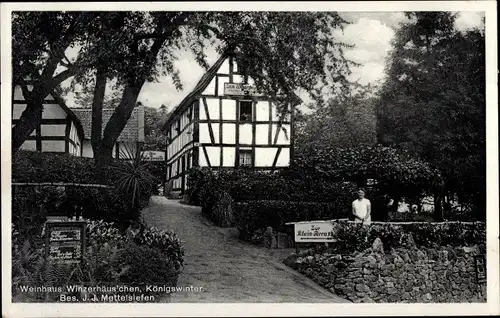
409,274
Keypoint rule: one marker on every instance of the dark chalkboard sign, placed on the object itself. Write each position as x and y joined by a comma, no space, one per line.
65,241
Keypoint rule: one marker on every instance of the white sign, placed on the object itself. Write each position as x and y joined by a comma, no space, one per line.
314,231
240,89
153,155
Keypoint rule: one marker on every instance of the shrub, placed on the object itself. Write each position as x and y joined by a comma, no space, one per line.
28,216
133,178
167,242
358,237
222,211
147,265
252,216
100,232
103,262
27,269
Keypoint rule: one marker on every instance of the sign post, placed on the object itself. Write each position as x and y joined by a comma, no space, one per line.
240,89
150,155
313,232
65,241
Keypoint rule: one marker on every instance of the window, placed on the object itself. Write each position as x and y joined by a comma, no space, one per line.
245,158
245,110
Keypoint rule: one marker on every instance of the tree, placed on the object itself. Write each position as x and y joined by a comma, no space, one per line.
265,43
135,47
153,122
85,98
345,120
433,102
39,44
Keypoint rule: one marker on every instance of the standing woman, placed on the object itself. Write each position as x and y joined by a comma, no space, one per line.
361,208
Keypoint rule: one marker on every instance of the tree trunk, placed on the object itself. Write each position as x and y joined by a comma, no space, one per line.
122,113
100,154
97,102
27,123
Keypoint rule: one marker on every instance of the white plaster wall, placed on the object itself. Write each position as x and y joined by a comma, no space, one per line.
53,111
229,133
87,149
18,110
229,155
229,109
264,156
238,79
18,93
284,158
214,155
283,138
210,90
245,134
29,145
262,134
53,145
213,108
224,68
262,111
53,130
222,80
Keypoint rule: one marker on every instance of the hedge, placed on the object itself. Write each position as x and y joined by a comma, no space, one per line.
110,204
245,185
256,215
352,236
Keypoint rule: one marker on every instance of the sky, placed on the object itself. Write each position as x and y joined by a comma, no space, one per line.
370,33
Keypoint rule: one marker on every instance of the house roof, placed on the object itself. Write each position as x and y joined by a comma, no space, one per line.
202,85
133,131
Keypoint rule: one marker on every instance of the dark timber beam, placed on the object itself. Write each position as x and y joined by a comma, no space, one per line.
210,130
68,135
220,132
206,156
275,161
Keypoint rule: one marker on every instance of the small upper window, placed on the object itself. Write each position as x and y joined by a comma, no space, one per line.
245,110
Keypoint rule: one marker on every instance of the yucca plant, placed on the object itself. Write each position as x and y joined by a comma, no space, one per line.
131,175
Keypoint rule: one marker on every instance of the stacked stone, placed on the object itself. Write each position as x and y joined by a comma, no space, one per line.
408,274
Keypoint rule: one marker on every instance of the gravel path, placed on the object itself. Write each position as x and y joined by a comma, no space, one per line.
227,269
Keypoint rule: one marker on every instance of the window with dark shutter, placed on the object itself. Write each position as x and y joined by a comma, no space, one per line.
245,110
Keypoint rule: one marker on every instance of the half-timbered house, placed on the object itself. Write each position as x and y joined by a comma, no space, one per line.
225,123
59,129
